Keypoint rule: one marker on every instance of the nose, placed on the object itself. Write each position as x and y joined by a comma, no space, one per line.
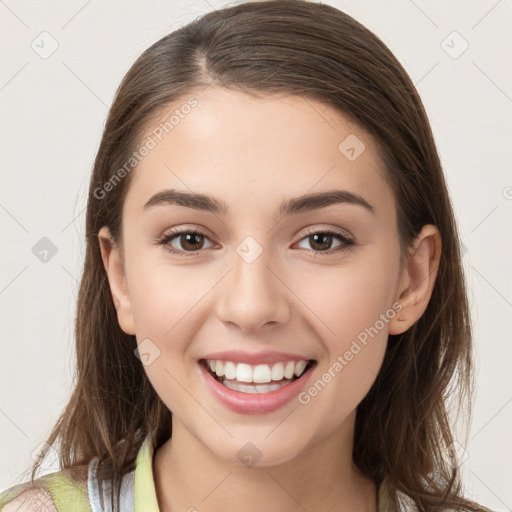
253,294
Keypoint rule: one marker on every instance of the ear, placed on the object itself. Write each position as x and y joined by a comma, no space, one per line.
418,279
114,267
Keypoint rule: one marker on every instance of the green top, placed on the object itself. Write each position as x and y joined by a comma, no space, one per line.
68,494
145,493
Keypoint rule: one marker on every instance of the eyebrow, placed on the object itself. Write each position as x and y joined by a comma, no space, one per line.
304,203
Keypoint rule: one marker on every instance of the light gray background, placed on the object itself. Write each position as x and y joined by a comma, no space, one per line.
53,110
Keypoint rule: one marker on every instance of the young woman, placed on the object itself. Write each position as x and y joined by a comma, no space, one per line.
272,313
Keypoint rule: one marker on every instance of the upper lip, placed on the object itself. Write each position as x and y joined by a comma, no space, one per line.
253,358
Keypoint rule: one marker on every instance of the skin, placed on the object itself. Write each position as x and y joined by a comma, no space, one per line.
252,153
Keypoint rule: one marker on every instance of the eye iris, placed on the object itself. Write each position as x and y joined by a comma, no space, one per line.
323,245
194,237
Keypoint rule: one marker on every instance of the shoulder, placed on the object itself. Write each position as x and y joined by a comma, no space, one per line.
60,491
30,499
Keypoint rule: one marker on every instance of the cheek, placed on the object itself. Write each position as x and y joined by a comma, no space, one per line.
353,307
348,299
164,297
168,310
355,351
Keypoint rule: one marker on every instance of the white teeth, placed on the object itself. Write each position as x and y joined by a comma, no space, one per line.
277,371
243,372
262,374
299,367
289,370
257,374
248,388
266,388
219,368
230,370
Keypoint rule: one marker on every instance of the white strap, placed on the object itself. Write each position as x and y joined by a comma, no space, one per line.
99,491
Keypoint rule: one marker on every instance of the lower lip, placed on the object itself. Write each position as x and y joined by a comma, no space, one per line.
254,403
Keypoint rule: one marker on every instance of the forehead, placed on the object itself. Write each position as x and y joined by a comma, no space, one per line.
241,148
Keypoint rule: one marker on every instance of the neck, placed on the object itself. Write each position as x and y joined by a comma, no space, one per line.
188,476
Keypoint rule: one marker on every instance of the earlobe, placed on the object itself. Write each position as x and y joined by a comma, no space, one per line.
418,279
114,268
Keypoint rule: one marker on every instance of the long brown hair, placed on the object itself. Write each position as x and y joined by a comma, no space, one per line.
403,431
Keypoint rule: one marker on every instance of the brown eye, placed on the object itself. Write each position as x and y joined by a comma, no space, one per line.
191,241
182,242
321,241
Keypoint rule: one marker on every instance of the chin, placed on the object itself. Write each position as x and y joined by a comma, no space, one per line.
260,449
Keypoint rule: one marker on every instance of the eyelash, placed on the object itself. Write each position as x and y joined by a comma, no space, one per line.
346,245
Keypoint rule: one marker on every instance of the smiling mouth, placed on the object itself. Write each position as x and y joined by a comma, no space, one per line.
256,379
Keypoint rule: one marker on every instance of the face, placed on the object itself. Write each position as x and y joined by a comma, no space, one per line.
249,286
